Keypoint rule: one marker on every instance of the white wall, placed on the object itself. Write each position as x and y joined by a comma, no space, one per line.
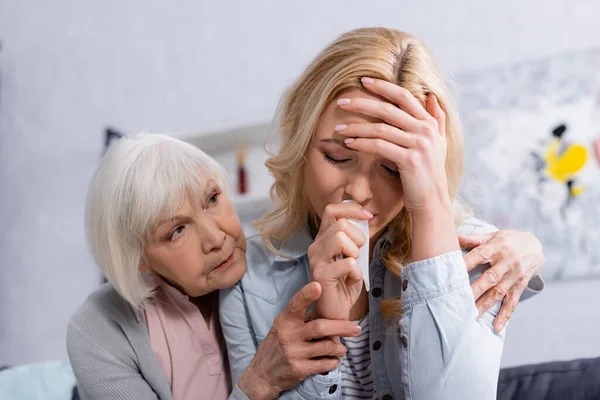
71,67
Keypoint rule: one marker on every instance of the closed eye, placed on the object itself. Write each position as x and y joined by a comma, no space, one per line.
394,173
335,161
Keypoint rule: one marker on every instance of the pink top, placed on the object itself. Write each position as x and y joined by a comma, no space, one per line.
191,352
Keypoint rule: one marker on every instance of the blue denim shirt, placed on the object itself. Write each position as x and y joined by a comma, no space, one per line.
437,349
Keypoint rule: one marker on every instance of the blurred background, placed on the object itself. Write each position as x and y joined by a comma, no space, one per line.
527,83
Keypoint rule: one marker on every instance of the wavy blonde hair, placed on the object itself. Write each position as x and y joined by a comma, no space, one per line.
387,54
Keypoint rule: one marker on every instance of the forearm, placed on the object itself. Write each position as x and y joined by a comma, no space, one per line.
433,232
255,385
450,353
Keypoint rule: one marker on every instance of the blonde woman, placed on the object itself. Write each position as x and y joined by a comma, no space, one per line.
371,120
162,229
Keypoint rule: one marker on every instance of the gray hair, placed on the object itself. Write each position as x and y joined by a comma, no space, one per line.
140,182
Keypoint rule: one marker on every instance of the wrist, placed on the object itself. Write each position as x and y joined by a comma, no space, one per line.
255,386
433,232
327,313
433,207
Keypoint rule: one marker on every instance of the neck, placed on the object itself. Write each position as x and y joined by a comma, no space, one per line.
206,304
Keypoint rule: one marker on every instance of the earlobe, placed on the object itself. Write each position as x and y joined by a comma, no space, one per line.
144,267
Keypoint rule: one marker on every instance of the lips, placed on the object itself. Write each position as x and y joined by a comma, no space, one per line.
227,262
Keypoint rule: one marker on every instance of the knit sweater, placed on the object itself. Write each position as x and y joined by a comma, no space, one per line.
110,352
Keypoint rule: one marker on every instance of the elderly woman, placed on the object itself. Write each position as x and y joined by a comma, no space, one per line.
163,231
161,227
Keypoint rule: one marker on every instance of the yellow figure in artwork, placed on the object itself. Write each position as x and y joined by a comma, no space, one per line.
564,161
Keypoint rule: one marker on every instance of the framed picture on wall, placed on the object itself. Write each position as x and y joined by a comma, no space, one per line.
532,134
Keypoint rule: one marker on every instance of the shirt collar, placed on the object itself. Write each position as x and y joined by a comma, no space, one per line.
295,247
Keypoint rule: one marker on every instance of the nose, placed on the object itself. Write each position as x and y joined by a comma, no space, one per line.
212,235
358,188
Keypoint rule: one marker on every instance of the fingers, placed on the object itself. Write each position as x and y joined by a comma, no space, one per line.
382,110
346,269
298,304
321,365
397,95
308,315
508,307
468,242
346,228
482,254
491,277
378,130
321,327
399,155
432,106
322,348
338,244
333,212
494,295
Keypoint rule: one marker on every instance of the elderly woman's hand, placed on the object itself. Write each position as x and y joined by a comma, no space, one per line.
295,348
515,258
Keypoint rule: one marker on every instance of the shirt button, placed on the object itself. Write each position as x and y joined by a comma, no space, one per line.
376,292
377,345
404,342
332,388
387,397
404,284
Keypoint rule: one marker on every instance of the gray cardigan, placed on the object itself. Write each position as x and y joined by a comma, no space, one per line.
109,349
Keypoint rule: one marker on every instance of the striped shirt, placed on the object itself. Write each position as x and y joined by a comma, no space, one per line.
357,380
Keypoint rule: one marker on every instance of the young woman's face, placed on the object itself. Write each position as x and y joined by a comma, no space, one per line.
334,173
202,249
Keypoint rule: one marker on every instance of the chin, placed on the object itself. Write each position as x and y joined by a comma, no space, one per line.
232,275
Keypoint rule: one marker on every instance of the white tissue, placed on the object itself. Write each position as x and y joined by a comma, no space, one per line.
363,258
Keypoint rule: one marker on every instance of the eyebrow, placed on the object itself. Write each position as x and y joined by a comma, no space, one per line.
339,142
173,219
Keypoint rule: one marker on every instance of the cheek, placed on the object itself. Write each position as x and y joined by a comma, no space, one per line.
323,181
181,264
389,192
189,263
230,222
390,199
241,243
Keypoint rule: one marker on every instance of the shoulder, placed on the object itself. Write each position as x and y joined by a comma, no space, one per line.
257,253
270,279
102,318
264,267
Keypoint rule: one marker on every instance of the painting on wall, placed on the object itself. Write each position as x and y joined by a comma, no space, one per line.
532,134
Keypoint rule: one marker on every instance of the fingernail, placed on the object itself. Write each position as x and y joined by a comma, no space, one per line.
340,127
348,140
343,102
357,328
366,80
367,213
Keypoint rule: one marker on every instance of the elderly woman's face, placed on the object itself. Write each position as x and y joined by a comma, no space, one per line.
202,249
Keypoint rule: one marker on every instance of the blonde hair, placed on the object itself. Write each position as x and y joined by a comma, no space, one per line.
387,54
141,181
